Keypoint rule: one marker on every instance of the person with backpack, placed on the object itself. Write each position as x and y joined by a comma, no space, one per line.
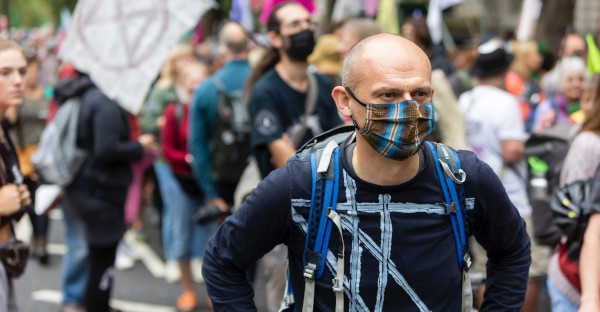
390,246
288,105
570,285
95,198
185,196
14,196
220,116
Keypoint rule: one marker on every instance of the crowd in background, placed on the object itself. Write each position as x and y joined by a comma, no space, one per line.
188,147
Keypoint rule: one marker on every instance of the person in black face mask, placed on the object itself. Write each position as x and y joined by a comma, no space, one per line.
300,45
282,117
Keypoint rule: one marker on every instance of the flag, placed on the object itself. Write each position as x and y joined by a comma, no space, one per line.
434,17
593,62
387,17
240,12
123,44
344,9
371,7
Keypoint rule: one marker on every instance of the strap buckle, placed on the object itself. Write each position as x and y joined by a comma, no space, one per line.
451,208
310,271
467,262
338,285
288,299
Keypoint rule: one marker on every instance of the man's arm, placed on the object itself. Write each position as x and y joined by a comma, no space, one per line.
260,224
512,151
281,150
499,228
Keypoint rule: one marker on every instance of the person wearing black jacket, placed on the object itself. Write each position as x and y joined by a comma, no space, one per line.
96,198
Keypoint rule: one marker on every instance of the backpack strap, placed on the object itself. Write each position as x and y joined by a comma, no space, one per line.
324,200
451,180
219,84
325,185
288,300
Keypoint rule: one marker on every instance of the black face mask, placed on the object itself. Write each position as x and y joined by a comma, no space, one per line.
301,45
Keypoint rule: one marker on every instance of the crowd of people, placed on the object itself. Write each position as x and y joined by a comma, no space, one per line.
230,106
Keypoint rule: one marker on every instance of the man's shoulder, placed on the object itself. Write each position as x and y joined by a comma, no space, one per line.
265,82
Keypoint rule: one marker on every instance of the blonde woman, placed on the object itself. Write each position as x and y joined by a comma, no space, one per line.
152,122
14,196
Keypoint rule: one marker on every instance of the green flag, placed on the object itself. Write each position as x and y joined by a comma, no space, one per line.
593,61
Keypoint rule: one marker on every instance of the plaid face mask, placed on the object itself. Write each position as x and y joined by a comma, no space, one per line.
396,130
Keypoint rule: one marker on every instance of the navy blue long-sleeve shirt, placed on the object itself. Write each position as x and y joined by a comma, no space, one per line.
400,250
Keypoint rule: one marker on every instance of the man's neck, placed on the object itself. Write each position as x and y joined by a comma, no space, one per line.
236,57
496,81
293,73
376,169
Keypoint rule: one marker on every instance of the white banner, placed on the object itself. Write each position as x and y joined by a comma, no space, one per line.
434,17
123,44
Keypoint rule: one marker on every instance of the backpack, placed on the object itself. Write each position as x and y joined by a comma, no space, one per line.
545,152
231,136
58,159
323,151
572,205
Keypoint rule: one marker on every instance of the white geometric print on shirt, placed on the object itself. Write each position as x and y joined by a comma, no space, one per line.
361,241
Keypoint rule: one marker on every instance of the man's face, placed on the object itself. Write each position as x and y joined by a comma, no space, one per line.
533,61
294,19
391,76
574,46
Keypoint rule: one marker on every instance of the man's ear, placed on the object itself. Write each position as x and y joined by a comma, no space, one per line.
276,40
342,101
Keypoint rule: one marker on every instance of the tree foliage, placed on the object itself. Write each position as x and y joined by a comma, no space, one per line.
34,13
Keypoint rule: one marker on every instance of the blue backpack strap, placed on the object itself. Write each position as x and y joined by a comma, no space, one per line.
288,300
325,188
451,178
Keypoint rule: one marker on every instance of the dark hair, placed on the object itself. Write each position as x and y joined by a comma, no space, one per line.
271,56
421,34
31,58
592,122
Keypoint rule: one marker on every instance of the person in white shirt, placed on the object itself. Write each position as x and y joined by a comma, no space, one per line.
495,132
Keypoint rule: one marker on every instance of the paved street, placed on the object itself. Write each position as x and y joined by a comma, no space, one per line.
135,290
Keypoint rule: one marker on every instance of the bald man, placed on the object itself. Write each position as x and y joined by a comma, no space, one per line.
400,253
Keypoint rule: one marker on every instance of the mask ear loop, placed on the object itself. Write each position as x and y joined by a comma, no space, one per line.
359,102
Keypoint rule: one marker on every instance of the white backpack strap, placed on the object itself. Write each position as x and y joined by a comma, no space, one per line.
338,281
288,298
467,292
326,157
309,295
